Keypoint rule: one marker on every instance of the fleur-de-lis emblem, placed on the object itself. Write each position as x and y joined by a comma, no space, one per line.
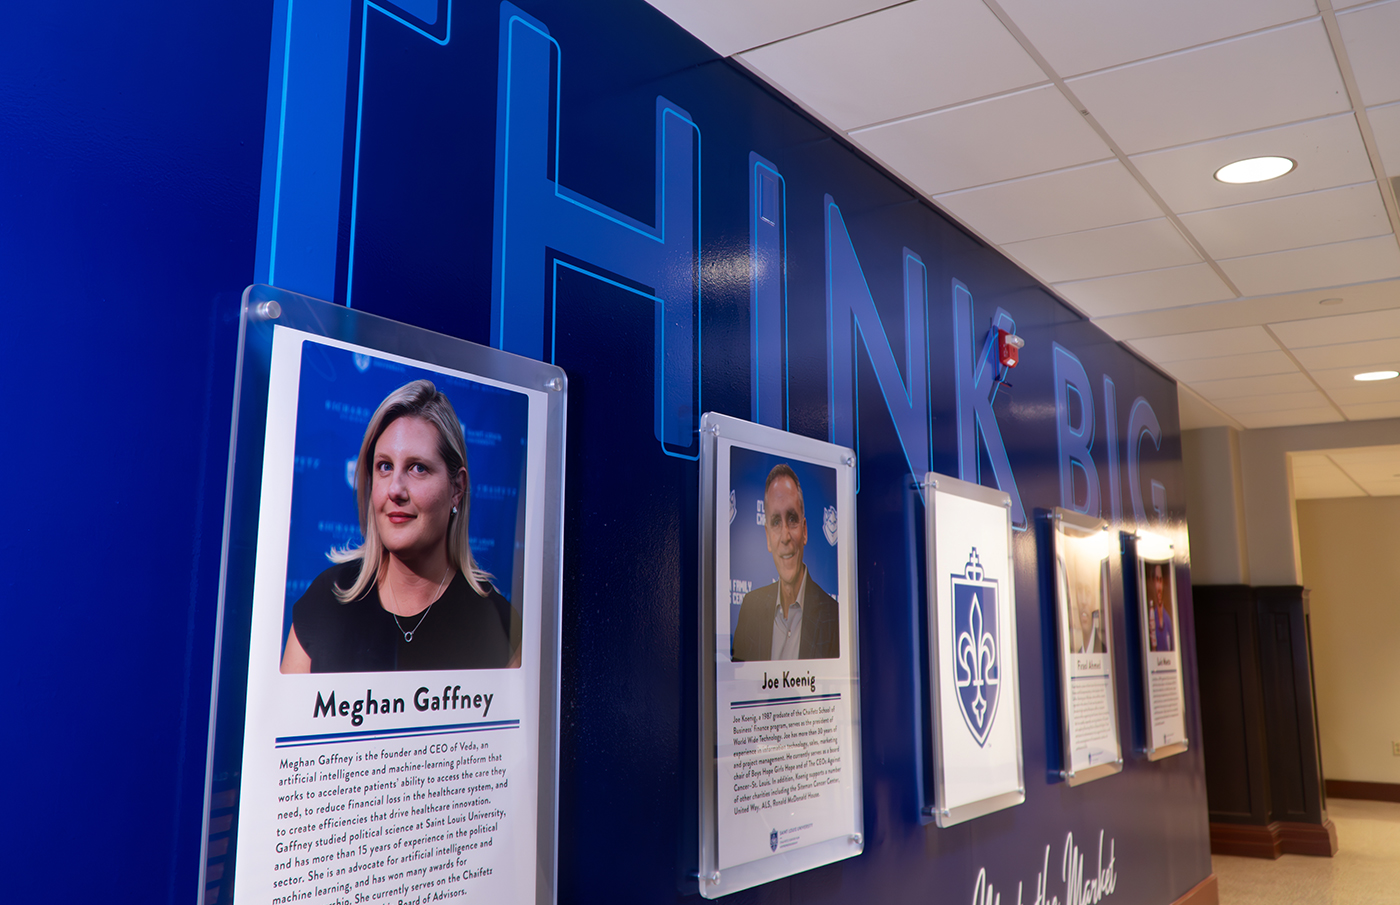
976,656
977,659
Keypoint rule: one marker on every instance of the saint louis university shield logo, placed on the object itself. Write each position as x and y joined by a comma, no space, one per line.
773,840
976,659
829,524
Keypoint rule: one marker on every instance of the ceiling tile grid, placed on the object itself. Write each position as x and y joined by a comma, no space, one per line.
1146,291
1291,417
1385,124
1283,75
1206,344
1362,395
987,141
1360,261
1124,32
883,66
1360,471
1329,152
730,26
1357,354
1293,221
1274,384
1245,407
1047,204
1369,35
1146,245
1341,328
1081,139
1372,410
1251,364
1315,476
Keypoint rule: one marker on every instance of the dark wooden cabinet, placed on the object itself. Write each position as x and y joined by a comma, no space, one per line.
1259,722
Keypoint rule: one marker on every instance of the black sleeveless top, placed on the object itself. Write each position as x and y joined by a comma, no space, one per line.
462,630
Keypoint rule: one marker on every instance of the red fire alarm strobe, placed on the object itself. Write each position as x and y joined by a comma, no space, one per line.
1008,348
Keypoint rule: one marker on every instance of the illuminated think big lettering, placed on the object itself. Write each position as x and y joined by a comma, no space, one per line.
767,294
1075,440
850,309
1142,422
539,222
536,216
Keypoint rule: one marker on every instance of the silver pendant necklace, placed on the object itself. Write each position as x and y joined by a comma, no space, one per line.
408,635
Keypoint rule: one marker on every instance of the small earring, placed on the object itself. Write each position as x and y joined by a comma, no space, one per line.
454,510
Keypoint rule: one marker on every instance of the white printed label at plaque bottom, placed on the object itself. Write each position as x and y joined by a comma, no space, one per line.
1091,724
784,779
1164,691
425,813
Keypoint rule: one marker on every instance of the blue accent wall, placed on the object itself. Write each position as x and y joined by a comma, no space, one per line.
581,182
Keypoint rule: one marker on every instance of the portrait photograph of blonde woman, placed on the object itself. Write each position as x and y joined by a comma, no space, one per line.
407,507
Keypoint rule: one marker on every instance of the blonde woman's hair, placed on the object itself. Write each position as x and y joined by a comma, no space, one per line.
419,399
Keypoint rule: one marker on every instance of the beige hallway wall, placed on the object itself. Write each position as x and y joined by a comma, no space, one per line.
1350,558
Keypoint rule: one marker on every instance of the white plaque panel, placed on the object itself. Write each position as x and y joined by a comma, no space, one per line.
1164,701
975,688
373,758
780,757
1088,699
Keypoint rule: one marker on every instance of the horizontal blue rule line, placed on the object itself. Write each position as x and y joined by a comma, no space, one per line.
385,737
1158,672
810,697
395,733
1095,676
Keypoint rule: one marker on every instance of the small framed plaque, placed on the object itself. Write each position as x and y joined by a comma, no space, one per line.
975,678
780,778
1088,699
1163,695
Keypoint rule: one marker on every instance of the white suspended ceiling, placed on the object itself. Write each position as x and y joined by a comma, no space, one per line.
1358,471
1080,137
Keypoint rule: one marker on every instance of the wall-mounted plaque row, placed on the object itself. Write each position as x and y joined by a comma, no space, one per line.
388,670
779,708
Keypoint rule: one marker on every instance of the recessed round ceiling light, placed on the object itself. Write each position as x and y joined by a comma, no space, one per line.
1377,375
1255,169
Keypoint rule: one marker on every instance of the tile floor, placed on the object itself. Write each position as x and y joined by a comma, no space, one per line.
1365,871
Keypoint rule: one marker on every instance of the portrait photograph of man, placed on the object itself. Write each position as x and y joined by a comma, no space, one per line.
1160,616
791,617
